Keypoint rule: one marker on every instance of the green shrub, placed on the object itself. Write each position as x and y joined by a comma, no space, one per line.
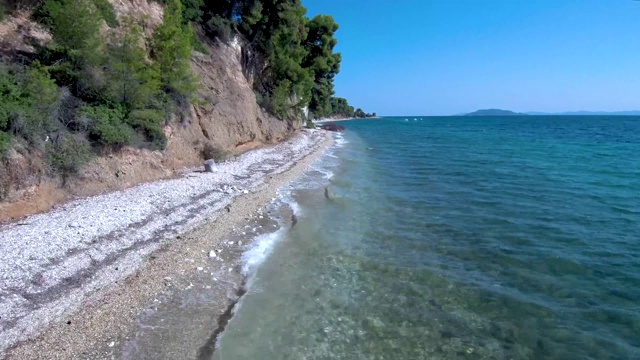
107,12
211,152
108,125
132,80
150,123
259,98
222,28
67,155
310,124
197,45
3,8
171,50
5,140
28,102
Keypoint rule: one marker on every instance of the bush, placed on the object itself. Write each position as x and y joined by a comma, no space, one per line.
108,125
67,155
171,50
28,102
310,124
107,12
211,152
5,140
150,123
222,28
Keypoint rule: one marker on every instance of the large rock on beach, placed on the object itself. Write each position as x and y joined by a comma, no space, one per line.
332,127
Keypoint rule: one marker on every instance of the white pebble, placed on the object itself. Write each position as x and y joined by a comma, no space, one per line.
212,254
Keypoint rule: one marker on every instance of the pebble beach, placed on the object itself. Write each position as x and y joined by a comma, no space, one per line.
75,281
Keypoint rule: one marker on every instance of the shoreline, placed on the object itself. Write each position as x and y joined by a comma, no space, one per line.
112,311
325,121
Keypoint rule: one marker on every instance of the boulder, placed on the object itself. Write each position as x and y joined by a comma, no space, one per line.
332,127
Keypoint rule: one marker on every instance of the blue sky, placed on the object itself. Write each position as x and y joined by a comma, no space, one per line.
443,57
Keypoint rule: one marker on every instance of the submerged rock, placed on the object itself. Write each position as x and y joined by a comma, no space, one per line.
332,127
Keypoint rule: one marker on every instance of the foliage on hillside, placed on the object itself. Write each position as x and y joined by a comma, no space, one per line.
299,64
102,84
87,92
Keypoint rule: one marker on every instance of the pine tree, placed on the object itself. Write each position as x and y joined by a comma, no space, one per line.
171,50
76,30
133,80
322,61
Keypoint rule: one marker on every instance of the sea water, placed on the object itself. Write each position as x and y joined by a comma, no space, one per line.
455,238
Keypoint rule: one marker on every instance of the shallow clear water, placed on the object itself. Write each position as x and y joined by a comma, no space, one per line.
453,237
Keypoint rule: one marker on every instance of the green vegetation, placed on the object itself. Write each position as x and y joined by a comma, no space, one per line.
171,51
66,155
107,12
290,56
90,91
98,88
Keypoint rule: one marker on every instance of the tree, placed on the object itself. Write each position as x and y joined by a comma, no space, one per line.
277,30
76,30
322,61
171,50
133,81
341,107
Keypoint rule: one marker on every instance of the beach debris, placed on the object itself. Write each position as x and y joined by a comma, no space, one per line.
245,191
212,254
210,166
228,208
230,242
200,268
167,278
239,242
112,344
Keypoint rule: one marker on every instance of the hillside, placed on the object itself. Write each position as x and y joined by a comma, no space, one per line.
493,112
137,90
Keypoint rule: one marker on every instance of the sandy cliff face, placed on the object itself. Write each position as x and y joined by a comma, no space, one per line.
229,120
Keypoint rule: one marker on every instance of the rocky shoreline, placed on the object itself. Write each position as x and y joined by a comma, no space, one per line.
92,270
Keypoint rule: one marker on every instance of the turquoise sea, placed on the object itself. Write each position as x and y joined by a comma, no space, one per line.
454,238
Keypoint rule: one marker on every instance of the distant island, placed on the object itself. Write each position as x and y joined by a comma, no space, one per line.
494,112
588,113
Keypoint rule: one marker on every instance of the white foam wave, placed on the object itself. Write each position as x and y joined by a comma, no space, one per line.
262,246
326,173
339,140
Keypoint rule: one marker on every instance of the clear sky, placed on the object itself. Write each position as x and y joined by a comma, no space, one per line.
443,57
